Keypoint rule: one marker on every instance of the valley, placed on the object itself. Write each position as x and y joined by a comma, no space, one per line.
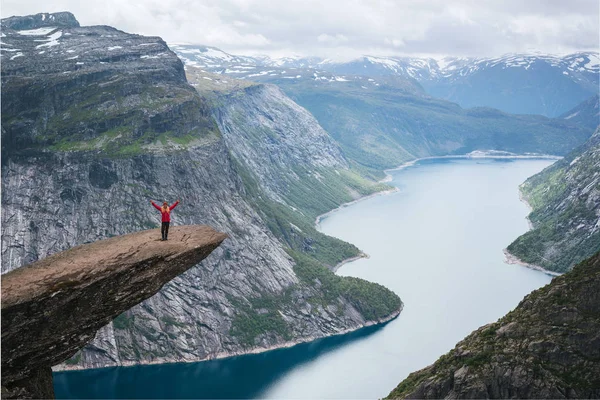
401,264
447,293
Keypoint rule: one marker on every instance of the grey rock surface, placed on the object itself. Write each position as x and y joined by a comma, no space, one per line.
565,219
103,121
53,307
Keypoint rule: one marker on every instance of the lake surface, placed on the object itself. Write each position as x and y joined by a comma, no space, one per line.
437,243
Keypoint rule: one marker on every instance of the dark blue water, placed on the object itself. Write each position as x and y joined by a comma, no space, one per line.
248,376
437,243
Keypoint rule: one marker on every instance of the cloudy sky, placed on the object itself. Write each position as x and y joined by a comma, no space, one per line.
344,29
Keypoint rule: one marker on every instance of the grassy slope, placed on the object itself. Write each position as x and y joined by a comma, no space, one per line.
314,254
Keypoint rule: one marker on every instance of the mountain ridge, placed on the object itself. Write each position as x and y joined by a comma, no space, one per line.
506,82
100,122
565,201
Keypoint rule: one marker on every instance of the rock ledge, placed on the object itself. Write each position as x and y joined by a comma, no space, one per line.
53,307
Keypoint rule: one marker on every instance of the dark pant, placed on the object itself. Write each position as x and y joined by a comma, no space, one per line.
164,230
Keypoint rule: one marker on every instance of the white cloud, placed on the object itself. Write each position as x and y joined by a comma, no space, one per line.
394,42
332,39
341,28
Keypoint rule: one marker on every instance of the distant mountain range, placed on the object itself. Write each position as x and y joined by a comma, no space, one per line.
381,121
516,83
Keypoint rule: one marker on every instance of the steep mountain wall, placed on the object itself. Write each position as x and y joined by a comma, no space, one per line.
289,157
565,198
586,113
95,123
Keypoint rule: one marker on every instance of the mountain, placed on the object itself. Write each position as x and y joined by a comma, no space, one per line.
381,127
95,122
546,348
384,121
586,114
514,83
565,201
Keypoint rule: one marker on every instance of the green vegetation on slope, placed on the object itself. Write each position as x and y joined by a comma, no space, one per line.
565,198
372,300
264,316
382,127
103,118
300,188
313,252
545,348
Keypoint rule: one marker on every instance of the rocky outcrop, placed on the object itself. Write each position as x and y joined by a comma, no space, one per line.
102,121
52,308
548,347
565,201
41,20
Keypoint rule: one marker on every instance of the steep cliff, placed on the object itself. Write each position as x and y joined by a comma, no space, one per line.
565,199
98,121
52,308
548,347
288,157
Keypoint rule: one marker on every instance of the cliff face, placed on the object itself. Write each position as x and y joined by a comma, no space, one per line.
52,308
102,121
293,170
548,347
565,198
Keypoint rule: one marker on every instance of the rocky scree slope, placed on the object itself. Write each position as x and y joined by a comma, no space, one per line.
53,307
548,347
95,122
565,198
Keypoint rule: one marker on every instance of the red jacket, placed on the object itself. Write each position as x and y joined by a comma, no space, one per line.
166,215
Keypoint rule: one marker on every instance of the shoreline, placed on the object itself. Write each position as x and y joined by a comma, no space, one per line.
470,156
511,259
388,178
524,201
349,260
344,205
255,350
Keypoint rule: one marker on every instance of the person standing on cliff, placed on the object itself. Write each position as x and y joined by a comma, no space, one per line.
165,210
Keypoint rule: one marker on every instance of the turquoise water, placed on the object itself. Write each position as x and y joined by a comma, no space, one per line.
437,242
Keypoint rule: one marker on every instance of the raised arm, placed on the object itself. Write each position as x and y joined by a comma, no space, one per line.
155,205
174,205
